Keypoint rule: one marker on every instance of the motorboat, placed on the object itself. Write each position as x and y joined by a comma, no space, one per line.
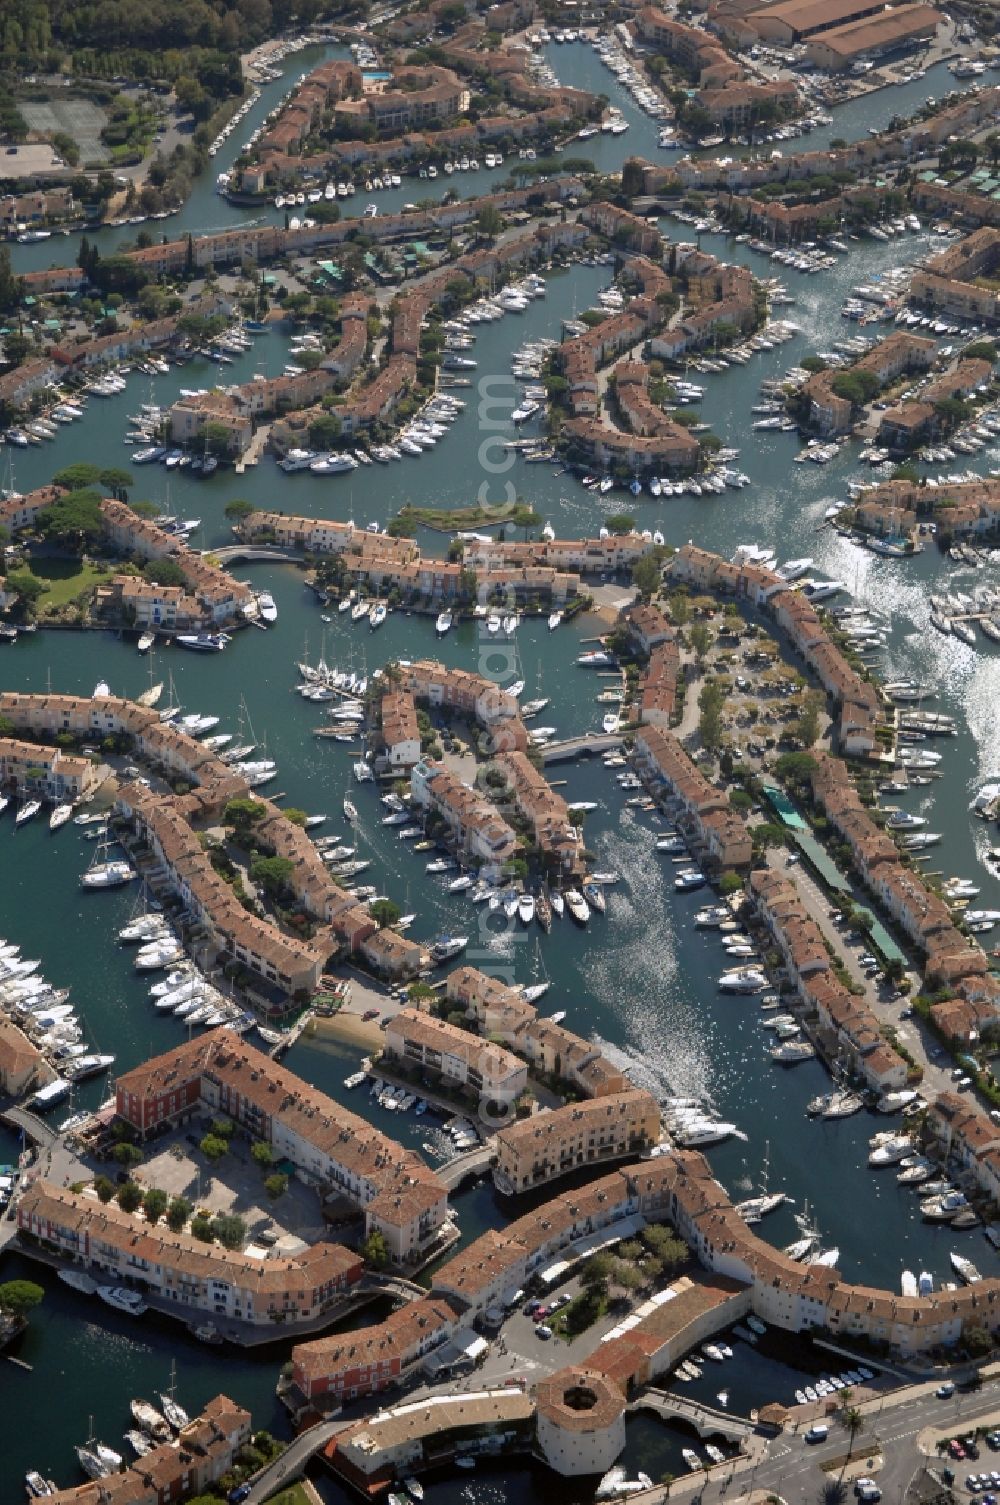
150,1420
448,946
123,1300
78,1280
577,906
202,642
792,1052
27,812
965,1269
526,909
60,815
742,980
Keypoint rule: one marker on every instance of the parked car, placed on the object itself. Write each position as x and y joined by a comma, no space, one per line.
943,1392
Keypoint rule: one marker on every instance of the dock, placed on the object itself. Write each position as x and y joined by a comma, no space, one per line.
251,455
277,1050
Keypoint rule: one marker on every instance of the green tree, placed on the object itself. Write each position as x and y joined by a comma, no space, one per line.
201,1228
807,725
243,812
324,431
856,387
19,1297
218,440
104,1187
116,482
374,1250
164,572
620,523
525,517
27,587
680,607
127,1155
262,1154
154,1204
238,510
795,768
78,476
700,638
489,222
213,1148
853,1422
130,1196
230,1230
647,574
178,1213
385,913
276,1186
273,874
710,702
74,520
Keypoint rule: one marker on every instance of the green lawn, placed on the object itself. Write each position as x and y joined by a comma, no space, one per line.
294,1495
65,579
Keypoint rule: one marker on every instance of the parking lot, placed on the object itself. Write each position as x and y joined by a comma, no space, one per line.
234,1185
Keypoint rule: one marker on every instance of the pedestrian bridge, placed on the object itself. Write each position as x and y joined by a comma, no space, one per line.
291,1463
581,747
707,1421
34,1127
376,1284
247,553
473,1163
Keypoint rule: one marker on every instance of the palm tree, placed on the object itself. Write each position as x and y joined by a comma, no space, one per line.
853,1421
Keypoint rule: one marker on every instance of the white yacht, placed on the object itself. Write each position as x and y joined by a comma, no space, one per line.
27,812
105,872
60,815
123,1300
742,980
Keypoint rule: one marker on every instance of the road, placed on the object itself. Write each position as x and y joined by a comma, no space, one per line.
793,1469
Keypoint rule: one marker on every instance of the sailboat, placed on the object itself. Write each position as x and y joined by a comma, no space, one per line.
172,1409
151,696
172,707
754,1208
104,871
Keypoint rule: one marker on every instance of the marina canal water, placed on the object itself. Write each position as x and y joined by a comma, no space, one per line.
642,980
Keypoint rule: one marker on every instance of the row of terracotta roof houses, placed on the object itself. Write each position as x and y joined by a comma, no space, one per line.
274,959
963,509
724,88
848,1020
858,701
471,816
915,420
382,563
678,1187
376,393
209,596
411,98
952,962
973,110
267,242
889,358
204,1452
